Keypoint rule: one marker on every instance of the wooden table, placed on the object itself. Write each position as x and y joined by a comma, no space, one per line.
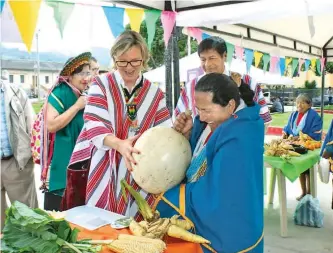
281,170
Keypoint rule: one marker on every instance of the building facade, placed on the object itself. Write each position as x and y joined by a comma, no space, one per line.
25,73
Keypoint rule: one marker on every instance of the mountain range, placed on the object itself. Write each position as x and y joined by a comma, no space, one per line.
101,54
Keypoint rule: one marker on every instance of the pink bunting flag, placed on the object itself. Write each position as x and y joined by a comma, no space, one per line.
322,61
273,64
168,19
195,32
239,52
300,61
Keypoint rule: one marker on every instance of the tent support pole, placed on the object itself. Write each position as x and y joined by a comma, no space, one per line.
176,78
323,86
168,66
168,75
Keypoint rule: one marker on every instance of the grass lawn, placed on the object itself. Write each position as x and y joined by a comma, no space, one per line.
328,107
281,119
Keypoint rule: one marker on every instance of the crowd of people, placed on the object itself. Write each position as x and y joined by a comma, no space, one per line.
93,119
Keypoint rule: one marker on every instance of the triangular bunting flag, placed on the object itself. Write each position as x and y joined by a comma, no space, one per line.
2,4
248,58
135,17
151,16
257,58
168,19
307,64
282,66
61,13
205,36
294,65
26,16
239,52
195,32
115,18
266,58
230,51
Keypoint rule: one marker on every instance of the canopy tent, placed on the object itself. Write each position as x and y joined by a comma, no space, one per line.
298,28
192,61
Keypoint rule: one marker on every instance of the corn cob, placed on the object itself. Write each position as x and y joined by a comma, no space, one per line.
136,229
137,244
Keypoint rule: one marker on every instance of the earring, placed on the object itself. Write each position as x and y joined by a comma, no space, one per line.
234,115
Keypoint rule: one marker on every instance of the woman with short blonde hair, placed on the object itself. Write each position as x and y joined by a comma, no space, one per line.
126,41
121,105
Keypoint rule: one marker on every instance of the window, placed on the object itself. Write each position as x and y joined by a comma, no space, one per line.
11,78
47,79
22,78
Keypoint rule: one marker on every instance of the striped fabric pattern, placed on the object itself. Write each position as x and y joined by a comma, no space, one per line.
105,114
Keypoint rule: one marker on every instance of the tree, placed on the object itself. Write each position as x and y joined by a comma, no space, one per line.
329,67
158,48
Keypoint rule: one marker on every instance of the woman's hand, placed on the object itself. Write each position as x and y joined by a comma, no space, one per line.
183,123
237,78
126,149
81,102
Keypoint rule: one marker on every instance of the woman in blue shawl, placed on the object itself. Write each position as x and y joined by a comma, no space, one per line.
308,121
223,191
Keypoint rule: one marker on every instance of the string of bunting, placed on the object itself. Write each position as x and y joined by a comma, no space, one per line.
254,57
26,15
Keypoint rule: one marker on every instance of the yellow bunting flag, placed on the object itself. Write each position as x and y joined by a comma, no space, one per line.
313,63
288,61
135,16
26,16
257,58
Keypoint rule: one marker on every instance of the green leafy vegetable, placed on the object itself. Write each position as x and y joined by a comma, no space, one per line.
34,230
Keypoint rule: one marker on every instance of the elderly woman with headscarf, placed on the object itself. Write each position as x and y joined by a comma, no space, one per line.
307,121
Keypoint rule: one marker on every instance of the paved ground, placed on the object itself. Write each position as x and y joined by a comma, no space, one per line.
300,239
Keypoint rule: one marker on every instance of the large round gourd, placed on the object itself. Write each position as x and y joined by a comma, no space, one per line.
164,157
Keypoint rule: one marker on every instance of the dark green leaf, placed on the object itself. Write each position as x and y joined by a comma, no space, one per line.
23,240
64,230
73,236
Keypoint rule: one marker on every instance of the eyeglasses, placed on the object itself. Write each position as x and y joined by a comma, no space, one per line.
84,74
135,63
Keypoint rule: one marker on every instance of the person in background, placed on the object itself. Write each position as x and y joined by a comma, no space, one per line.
213,53
329,93
94,67
233,218
308,121
17,168
122,104
277,106
103,72
64,117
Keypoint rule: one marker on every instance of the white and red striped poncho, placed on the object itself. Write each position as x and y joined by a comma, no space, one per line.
105,114
186,99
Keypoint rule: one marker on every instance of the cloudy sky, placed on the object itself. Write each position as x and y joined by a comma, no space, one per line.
87,27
